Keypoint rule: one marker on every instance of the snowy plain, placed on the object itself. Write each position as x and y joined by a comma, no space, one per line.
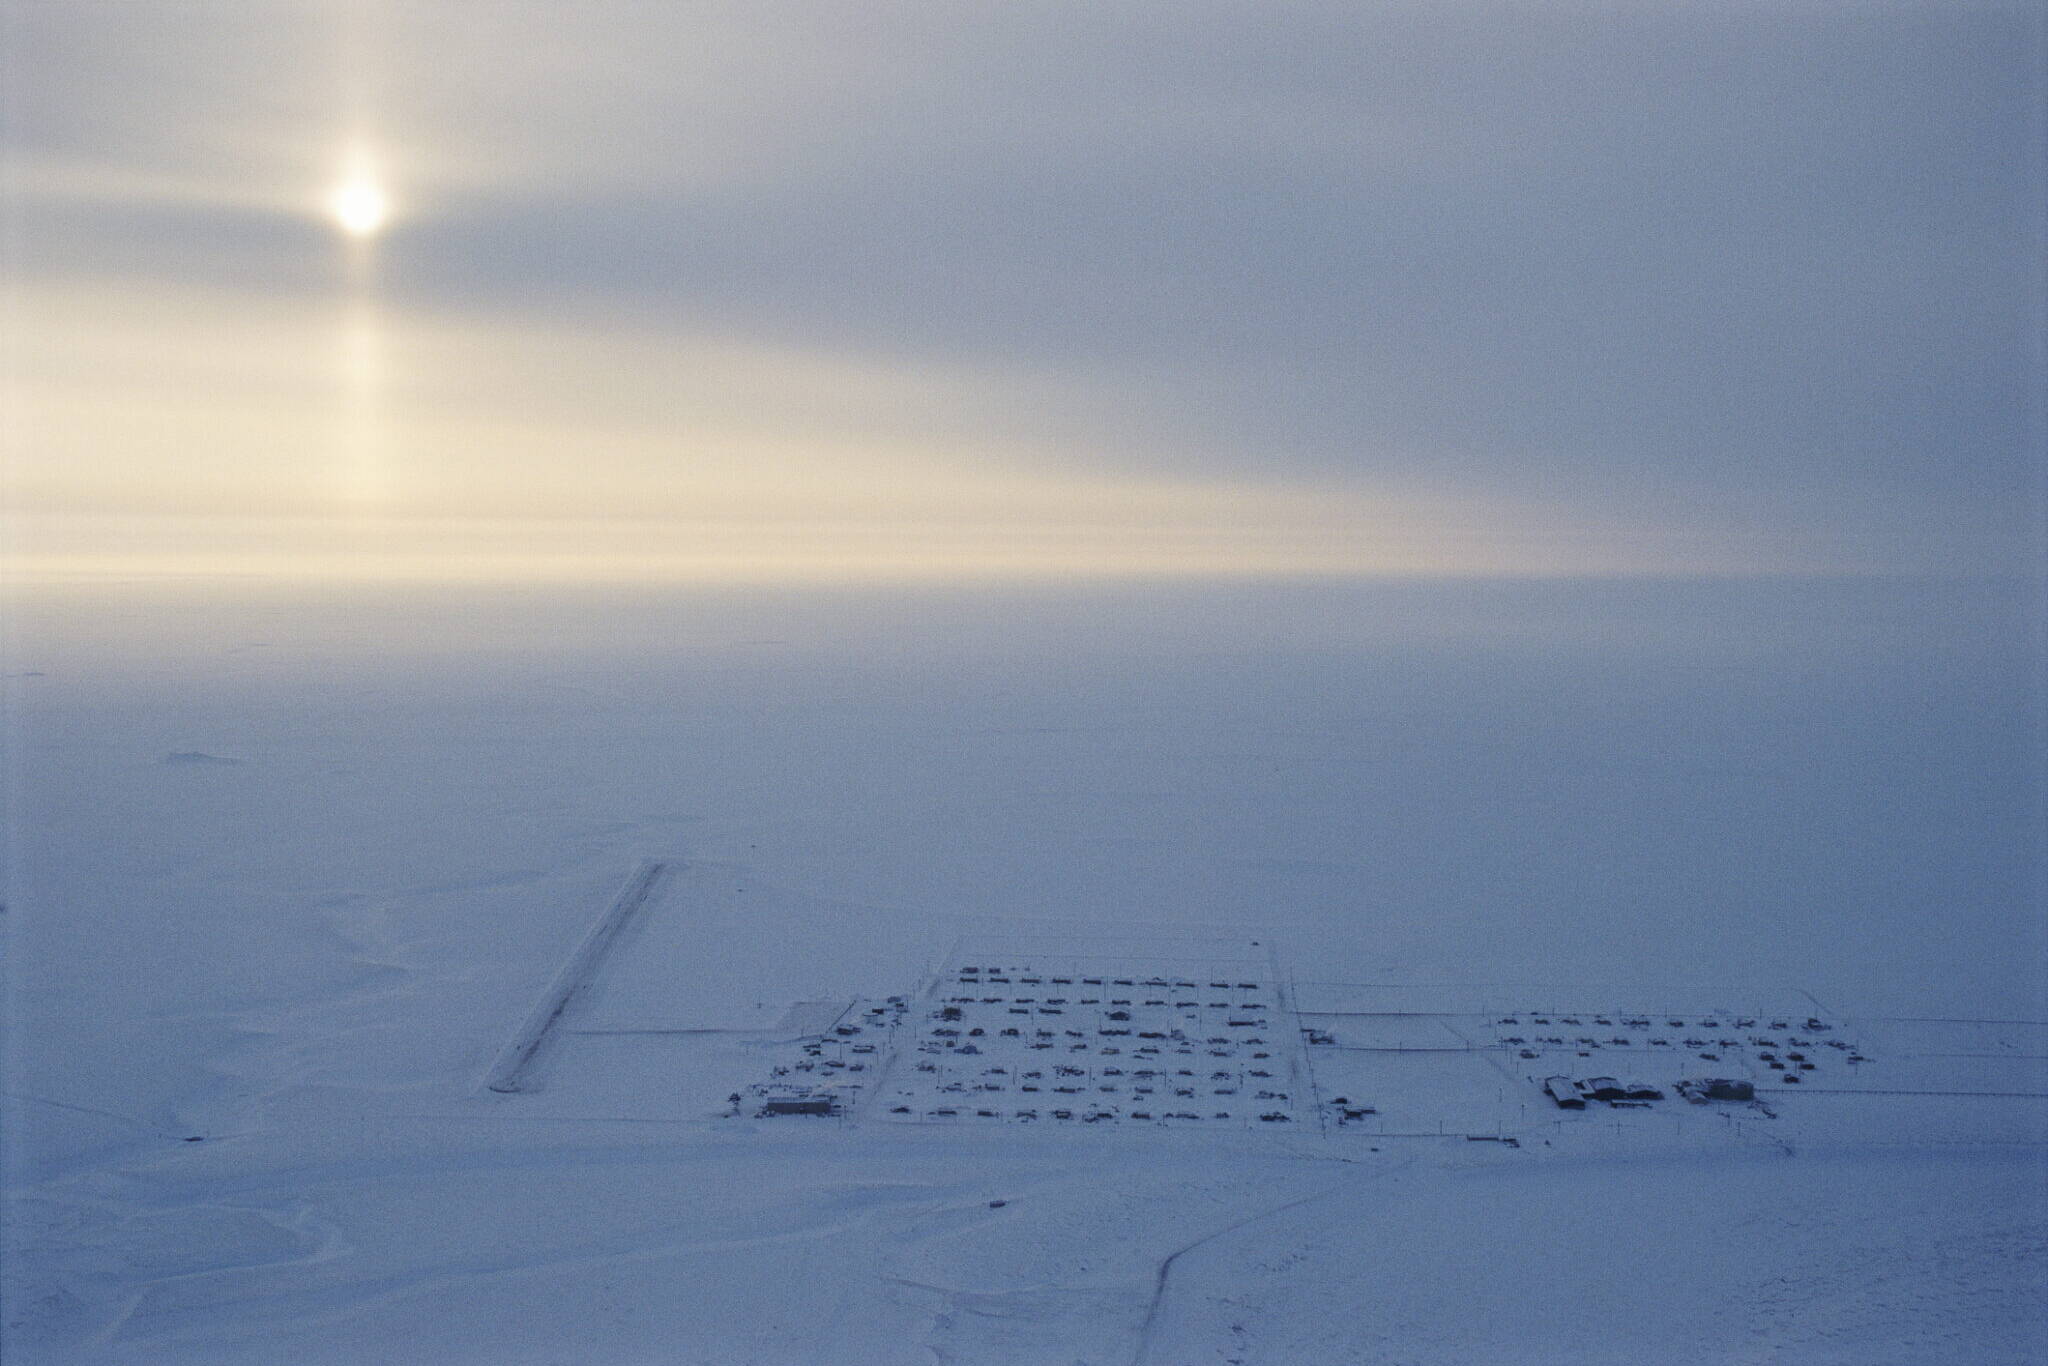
289,866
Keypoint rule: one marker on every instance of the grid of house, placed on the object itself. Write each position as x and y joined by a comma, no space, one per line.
1768,1049
1109,1041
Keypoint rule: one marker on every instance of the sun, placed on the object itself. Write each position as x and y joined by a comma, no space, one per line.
359,205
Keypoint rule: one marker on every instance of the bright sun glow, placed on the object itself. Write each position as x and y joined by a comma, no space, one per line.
359,205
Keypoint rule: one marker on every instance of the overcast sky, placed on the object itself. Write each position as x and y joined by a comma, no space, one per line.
1433,287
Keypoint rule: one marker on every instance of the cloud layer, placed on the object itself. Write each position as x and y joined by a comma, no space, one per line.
1761,284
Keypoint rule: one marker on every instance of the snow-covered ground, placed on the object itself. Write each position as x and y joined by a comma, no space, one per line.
292,868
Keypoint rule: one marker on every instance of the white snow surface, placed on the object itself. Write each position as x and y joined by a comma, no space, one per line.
289,867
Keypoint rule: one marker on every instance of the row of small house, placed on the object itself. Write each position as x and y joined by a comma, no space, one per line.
1643,1021
1008,975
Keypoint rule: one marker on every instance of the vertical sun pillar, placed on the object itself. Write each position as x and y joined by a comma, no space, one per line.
360,209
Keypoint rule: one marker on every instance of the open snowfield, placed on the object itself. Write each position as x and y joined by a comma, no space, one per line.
291,870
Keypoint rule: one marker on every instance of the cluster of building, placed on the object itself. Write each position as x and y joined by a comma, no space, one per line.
1783,1049
832,1069
1570,1094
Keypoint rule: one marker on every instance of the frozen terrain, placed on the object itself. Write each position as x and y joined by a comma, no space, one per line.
292,870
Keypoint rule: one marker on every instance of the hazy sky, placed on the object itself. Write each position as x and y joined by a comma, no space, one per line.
743,289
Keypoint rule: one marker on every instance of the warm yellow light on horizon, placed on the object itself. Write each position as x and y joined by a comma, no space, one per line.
359,205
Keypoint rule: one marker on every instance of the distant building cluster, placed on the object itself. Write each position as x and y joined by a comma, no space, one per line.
1027,1039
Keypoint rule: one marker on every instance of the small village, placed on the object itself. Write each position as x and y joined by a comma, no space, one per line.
1156,1041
